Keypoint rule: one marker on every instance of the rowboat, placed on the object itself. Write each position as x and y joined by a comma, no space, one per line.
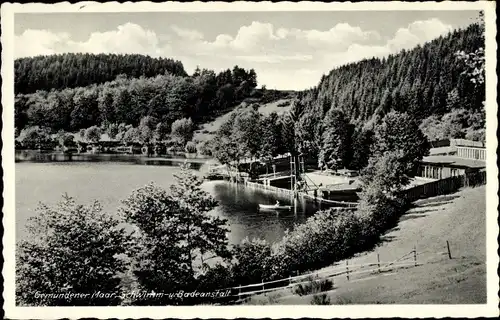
273,207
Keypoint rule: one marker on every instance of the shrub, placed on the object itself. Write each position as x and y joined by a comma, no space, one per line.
377,211
35,137
313,286
190,147
326,237
71,249
93,134
274,297
215,278
204,148
476,135
253,263
160,148
182,129
271,298
320,299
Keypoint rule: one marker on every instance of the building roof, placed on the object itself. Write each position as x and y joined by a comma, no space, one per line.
452,161
475,147
467,143
442,151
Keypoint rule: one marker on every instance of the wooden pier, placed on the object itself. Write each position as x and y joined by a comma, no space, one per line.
291,193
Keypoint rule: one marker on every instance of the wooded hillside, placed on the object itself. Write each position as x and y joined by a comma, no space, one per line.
425,81
127,100
72,70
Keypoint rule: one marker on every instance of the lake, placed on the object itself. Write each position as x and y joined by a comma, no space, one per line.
110,179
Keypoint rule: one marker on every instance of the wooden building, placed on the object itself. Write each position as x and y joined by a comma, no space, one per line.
466,152
440,167
453,157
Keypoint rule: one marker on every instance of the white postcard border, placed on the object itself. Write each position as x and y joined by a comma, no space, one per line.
352,311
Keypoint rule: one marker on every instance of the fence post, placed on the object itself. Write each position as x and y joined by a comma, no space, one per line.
347,268
289,280
378,262
448,246
239,291
415,254
262,284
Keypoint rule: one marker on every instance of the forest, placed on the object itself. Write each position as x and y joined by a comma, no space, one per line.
126,100
71,70
428,82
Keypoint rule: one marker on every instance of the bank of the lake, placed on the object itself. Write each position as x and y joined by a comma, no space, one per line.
110,180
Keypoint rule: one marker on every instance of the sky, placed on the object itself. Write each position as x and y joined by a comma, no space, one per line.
288,50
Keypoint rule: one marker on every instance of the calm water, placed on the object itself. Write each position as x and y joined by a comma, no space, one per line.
110,179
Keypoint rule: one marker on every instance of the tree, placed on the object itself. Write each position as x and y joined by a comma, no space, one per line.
145,129
336,147
182,130
475,61
157,264
377,211
247,132
81,134
173,233
105,104
308,134
399,132
270,146
204,234
85,112
387,171
215,278
34,137
413,81
362,143
124,109
190,147
132,135
71,249
451,125
253,263
287,122
161,131
65,139
112,130
93,134
225,146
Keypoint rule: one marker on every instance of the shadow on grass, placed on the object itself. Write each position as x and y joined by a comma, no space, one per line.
414,216
386,238
442,198
434,204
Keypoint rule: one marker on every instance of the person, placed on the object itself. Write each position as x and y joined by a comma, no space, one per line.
277,203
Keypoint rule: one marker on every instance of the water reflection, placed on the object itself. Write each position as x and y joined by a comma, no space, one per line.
51,156
240,205
111,178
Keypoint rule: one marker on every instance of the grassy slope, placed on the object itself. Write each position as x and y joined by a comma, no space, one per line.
460,219
213,126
